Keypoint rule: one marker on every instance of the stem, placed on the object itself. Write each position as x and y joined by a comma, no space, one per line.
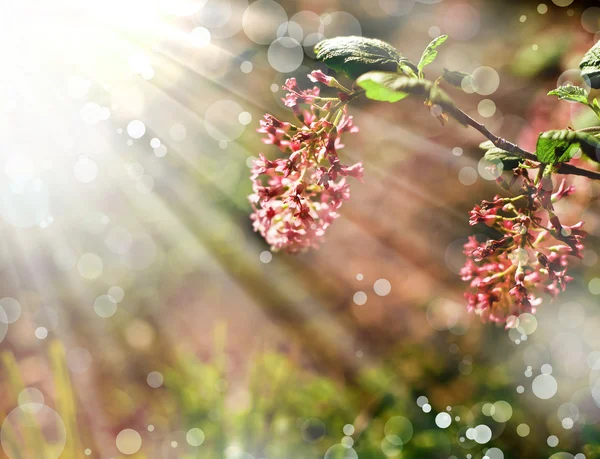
497,141
590,130
567,169
563,168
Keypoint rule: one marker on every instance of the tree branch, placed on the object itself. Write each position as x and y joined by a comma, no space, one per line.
568,169
503,144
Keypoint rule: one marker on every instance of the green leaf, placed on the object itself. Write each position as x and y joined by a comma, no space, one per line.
487,145
509,160
560,146
430,52
392,87
494,154
590,66
571,93
358,55
381,86
454,77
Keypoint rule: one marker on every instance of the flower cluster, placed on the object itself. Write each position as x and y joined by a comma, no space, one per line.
508,274
295,198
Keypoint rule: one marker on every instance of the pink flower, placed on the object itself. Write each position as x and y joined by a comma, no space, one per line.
317,76
296,198
508,275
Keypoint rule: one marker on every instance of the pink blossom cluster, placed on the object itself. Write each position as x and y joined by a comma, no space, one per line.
295,198
508,274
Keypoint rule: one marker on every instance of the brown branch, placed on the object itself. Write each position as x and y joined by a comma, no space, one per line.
568,169
563,168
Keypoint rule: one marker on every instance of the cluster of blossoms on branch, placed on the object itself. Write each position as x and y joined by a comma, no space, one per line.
529,256
296,197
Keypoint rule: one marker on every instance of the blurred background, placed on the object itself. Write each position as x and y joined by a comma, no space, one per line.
140,315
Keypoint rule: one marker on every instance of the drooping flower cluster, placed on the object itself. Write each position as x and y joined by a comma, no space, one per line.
295,198
508,274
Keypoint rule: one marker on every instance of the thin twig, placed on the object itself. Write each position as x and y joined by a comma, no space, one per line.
563,168
499,142
590,130
568,169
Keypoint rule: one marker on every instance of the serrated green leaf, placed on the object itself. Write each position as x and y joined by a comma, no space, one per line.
570,93
430,52
556,146
355,56
454,77
590,66
590,145
560,146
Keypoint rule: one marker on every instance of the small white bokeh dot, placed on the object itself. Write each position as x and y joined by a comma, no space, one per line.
523,430
552,441
155,142
266,256
116,293
467,175
382,287
200,37
486,108
245,118
348,429
195,437
41,333
426,408
359,277
544,386
457,151
128,441
88,452
136,129
594,286
443,420
274,87
155,379
567,423
546,369
246,66
150,428
482,434
434,31
360,298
